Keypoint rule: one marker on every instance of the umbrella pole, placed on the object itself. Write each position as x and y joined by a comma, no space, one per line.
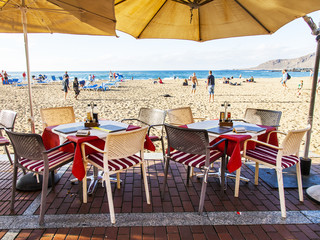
313,97
26,46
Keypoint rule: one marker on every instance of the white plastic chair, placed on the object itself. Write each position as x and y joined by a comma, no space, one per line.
118,155
278,158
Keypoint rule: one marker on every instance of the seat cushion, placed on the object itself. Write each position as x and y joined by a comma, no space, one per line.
4,141
115,164
55,158
269,155
194,160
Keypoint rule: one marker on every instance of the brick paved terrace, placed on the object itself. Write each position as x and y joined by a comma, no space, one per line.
254,215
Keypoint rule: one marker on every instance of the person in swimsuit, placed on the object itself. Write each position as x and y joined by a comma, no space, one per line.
194,81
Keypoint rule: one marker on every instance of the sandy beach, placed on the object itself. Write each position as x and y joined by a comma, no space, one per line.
126,100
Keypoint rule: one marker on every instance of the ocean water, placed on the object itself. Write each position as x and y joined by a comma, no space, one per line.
166,74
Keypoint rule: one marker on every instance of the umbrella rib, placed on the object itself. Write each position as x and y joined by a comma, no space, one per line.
152,19
8,2
120,2
265,28
113,20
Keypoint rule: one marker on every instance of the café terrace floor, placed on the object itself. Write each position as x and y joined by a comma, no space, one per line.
254,215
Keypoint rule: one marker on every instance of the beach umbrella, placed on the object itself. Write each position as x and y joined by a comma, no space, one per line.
56,16
202,20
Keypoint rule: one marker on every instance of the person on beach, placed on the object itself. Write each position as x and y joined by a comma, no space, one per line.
284,79
210,86
76,88
66,84
194,83
6,79
160,80
300,86
24,76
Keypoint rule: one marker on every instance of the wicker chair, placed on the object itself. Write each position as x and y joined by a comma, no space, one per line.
181,116
118,155
7,120
31,155
154,119
277,158
192,149
263,117
57,116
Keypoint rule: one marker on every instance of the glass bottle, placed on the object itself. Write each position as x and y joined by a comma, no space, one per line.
95,113
89,113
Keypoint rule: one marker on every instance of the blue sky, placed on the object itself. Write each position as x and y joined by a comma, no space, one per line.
60,52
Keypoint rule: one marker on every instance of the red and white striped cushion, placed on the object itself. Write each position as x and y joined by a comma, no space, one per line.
269,155
115,164
4,141
55,158
194,160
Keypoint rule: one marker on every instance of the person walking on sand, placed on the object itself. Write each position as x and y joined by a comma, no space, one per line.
66,84
210,86
76,88
284,79
194,83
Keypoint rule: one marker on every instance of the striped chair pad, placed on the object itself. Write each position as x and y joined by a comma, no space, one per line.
269,155
193,160
4,141
115,164
55,158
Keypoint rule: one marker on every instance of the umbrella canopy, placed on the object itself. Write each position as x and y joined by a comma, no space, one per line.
56,16
202,20
67,16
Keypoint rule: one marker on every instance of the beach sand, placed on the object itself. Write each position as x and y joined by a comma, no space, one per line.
125,101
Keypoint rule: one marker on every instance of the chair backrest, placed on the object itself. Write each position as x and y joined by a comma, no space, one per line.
7,119
194,141
57,116
180,116
27,145
263,117
152,116
291,143
124,144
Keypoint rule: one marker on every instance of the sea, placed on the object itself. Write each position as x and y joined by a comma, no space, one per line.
164,74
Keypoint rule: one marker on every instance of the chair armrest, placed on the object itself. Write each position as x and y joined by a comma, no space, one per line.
217,143
91,146
134,119
260,142
199,118
57,147
276,131
153,126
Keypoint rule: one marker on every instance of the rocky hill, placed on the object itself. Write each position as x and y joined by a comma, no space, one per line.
301,63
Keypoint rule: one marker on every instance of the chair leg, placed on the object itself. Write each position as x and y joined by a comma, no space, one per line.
110,199
163,149
8,154
188,174
118,180
256,174
145,180
299,179
14,184
84,188
281,193
203,190
166,168
44,191
236,188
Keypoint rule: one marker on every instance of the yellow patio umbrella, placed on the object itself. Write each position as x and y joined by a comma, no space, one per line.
56,16
202,20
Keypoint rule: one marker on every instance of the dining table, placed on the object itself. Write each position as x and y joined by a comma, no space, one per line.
235,140
55,135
